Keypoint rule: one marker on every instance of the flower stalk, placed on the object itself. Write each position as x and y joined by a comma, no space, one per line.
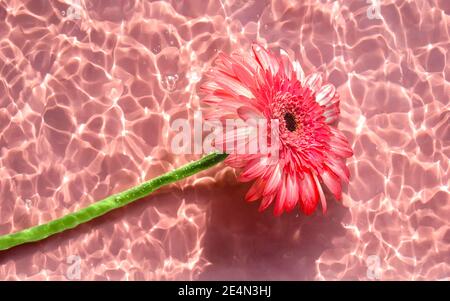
108,204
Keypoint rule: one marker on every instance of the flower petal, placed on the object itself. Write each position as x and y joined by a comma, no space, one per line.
280,199
325,94
338,166
239,161
255,191
332,182
340,149
313,81
244,75
292,192
331,113
339,144
253,170
286,63
298,71
309,194
246,112
274,181
321,194
232,85
265,59
266,201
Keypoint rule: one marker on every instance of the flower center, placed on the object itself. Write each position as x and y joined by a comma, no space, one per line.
291,124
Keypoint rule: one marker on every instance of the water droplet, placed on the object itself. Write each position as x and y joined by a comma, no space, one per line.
157,49
170,81
193,76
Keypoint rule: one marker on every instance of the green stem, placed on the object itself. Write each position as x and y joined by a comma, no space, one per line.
112,202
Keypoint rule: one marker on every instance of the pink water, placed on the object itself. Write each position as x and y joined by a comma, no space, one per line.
85,108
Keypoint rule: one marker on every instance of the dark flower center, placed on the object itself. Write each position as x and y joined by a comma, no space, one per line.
291,124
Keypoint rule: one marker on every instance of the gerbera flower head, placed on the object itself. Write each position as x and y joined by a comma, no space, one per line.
312,150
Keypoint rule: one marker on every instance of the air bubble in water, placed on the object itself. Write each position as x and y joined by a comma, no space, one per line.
170,81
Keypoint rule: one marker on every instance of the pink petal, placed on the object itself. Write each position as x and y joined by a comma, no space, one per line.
246,112
266,201
273,181
217,115
247,61
343,151
281,199
286,63
223,99
331,113
232,85
253,170
244,75
233,141
209,87
292,192
339,168
313,81
338,134
309,194
255,191
321,194
339,144
332,182
298,71
226,61
238,161
325,95
265,59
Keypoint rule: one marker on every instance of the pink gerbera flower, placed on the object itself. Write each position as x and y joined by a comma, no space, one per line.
312,151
